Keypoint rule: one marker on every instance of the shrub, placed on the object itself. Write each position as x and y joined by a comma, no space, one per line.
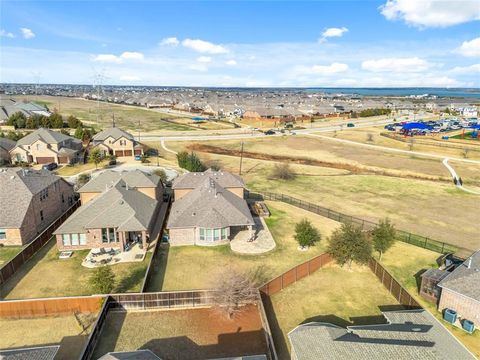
349,244
306,234
383,236
282,172
190,162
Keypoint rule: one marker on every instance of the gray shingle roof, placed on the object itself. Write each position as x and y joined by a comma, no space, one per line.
130,355
410,334
47,135
7,144
209,205
17,188
120,207
194,179
114,132
464,279
136,178
36,353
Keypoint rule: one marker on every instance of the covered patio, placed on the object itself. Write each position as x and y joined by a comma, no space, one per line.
111,256
261,241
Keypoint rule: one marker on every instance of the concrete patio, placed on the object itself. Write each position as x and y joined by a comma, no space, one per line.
134,254
263,240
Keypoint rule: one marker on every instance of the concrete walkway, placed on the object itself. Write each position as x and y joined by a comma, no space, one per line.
263,242
456,177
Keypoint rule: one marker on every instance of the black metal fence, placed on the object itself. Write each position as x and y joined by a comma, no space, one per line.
405,236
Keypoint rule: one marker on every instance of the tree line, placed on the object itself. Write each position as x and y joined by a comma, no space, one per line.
370,112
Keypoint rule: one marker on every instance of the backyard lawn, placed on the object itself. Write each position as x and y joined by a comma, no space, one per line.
78,168
192,267
7,253
45,275
332,294
65,331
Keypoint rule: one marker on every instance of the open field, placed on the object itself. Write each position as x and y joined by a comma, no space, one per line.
406,263
332,294
101,114
45,275
192,267
184,333
59,330
7,253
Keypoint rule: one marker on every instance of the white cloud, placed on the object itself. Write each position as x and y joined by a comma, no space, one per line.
231,62
413,64
130,78
132,55
472,70
4,33
431,13
333,68
203,46
171,41
470,48
27,33
334,32
204,59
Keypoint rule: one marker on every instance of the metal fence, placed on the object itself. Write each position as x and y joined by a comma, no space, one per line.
405,236
392,285
437,143
295,274
12,266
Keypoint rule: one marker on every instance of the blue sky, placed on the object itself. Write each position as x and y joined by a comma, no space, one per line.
385,43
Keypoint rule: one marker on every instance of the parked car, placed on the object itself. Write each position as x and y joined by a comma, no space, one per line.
50,167
350,125
269,132
138,157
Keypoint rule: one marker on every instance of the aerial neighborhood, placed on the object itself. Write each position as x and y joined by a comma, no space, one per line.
246,180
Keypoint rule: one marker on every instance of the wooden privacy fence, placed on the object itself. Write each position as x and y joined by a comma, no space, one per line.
295,274
49,306
12,266
404,236
392,285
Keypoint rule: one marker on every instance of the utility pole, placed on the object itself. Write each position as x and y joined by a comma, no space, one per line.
241,159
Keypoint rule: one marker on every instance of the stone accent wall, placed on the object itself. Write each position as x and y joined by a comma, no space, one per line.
466,308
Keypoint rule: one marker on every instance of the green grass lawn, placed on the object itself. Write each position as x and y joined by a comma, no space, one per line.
191,267
406,262
332,294
45,275
7,253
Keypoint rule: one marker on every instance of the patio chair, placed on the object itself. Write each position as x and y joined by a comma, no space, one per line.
96,252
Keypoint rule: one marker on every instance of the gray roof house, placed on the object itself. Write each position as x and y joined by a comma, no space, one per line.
409,334
115,141
30,201
460,290
209,214
118,217
9,107
5,146
33,353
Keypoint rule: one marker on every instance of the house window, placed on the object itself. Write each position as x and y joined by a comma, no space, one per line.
108,235
213,234
83,239
74,238
202,234
63,198
41,215
66,239
3,234
104,236
43,194
216,235
38,146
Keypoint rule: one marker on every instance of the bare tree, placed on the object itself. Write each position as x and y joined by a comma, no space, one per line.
370,137
233,290
282,172
465,152
411,142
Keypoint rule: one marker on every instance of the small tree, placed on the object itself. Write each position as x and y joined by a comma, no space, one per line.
162,175
102,280
370,137
383,236
56,120
73,122
95,157
282,172
79,133
83,179
411,143
233,289
465,152
349,244
306,234
182,159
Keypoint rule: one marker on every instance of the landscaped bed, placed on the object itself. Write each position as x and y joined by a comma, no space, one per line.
201,333
65,331
45,275
192,267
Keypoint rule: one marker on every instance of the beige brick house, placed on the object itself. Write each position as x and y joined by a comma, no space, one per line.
30,201
461,290
44,146
118,210
115,141
209,209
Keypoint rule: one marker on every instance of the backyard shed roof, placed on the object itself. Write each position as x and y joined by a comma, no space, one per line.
193,179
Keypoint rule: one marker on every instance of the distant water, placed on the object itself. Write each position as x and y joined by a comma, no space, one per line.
440,92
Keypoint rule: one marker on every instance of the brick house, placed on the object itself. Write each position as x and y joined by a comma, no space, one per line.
461,290
115,141
44,146
121,214
30,201
209,209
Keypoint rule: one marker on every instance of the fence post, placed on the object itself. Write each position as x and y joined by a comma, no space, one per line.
425,246
443,246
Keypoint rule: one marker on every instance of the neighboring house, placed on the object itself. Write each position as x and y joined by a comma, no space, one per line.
5,146
209,209
115,141
409,334
30,201
32,353
9,107
119,215
461,290
44,146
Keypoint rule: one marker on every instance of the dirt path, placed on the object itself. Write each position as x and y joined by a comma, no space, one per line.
456,178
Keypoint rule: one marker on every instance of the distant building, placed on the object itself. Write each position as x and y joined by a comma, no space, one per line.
30,201
9,107
115,141
44,146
